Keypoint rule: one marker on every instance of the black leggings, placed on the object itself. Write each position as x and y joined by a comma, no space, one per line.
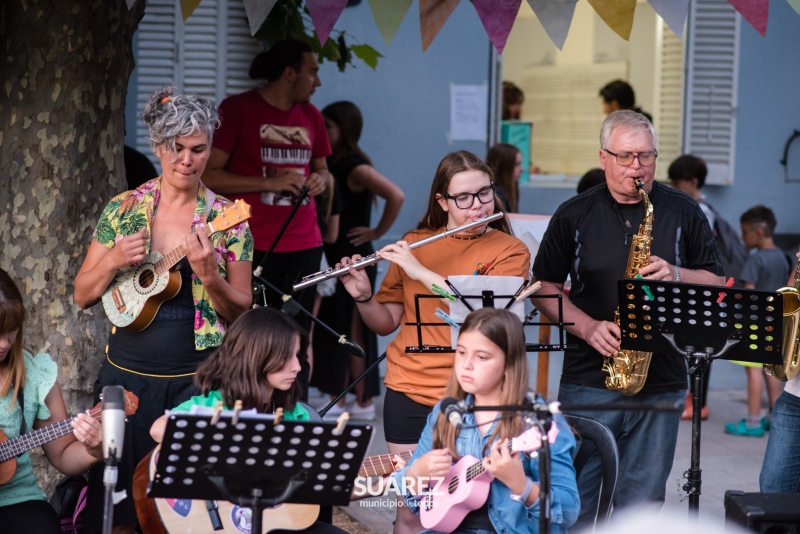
31,517
403,419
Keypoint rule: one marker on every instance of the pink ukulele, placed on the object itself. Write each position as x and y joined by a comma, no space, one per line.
466,485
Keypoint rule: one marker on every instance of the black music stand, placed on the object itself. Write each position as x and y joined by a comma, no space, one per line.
702,323
256,463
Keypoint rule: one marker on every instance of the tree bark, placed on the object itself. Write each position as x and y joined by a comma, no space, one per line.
65,67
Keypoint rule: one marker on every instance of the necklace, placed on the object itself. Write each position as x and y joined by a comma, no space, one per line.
469,238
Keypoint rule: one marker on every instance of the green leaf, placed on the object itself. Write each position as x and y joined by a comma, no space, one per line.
132,223
367,54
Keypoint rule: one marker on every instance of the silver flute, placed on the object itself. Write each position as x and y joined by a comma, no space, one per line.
331,272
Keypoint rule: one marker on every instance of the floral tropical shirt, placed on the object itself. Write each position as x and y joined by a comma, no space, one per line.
129,212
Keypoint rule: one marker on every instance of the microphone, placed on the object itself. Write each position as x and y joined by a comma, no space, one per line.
453,411
113,420
355,349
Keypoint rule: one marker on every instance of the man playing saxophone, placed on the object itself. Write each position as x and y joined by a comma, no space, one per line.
590,238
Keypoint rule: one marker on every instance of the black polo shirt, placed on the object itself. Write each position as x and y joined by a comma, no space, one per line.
589,238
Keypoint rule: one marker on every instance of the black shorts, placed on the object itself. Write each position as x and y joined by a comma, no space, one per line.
403,419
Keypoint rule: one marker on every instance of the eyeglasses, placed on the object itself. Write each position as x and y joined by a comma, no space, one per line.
466,200
645,158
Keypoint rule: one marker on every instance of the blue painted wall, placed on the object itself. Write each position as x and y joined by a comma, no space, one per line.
769,111
406,100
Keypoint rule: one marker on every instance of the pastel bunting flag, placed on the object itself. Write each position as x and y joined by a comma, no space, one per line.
188,7
755,12
618,14
257,11
556,17
497,17
432,16
673,12
324,14
795,5
388,15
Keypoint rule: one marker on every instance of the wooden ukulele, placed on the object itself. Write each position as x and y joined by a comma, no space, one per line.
11,448
184,516
136,293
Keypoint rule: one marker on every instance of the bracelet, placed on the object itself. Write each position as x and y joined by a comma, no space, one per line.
677,274
523,497
366,299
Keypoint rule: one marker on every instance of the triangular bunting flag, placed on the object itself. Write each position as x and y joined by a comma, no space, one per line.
755,12
432,16
388,15
497,17
188,7
324,14
795,5
618,14
673,12
556,17
257,11
130,3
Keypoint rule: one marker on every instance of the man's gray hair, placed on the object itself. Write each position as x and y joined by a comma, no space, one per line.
627,120
169,115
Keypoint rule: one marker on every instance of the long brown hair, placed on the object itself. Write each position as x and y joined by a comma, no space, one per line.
259,342
504,329
453,163
347,117
12,317
502,159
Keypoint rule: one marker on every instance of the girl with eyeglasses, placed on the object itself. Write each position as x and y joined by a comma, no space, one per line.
461,193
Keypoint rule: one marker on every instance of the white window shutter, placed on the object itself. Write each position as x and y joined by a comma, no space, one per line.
669,108
209,54
712,65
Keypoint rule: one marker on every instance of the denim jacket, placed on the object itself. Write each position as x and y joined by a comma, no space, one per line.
508,516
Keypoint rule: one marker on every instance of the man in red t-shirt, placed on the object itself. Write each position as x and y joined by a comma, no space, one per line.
271,143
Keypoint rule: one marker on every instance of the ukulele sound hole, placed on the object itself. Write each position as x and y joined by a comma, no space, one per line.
146,278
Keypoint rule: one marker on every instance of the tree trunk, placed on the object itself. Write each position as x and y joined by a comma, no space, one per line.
65,67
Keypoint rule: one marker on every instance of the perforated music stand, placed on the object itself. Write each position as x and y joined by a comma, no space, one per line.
702,323
258,464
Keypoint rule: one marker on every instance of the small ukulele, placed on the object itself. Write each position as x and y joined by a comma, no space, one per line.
136,293
466,485
11,448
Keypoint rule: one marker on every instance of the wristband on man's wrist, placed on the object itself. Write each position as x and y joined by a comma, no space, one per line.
677,273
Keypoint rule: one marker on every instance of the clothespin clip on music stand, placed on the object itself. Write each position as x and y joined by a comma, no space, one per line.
257,464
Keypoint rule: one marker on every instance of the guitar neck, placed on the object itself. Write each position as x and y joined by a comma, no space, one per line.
16,446
169,260
376,466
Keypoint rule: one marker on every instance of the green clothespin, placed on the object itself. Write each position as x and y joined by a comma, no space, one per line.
443,292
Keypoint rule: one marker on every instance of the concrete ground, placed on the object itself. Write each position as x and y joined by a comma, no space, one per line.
727,462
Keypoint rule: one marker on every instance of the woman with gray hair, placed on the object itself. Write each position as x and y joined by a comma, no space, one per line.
157,360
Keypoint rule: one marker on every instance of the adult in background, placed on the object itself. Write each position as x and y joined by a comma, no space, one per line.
158,363
360,184
589,239
513,97
30,399
461,192
271,143
619,95
505,160
688,174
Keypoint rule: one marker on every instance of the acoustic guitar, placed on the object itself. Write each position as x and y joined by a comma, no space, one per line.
184,516
133,298
11,448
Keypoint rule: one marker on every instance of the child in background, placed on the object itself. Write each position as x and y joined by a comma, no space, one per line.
765,270
491,368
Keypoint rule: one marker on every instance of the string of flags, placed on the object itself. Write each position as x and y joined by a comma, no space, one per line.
497,16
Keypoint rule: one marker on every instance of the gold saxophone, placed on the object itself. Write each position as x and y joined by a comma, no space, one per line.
627,369
791,340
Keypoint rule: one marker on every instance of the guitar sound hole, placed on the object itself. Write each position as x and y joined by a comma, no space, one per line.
146,278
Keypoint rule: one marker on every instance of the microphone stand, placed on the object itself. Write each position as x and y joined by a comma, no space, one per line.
110,475
303,195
